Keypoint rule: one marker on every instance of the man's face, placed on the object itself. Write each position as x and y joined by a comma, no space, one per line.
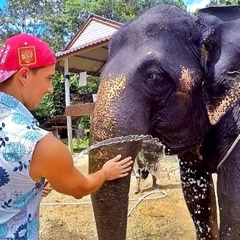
39,84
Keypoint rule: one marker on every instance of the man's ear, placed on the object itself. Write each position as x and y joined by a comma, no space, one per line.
23,74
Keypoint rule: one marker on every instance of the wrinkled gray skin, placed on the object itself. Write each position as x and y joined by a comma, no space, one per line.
159,81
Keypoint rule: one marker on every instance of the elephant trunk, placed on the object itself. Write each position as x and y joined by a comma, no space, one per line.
113,118
110,202
110,205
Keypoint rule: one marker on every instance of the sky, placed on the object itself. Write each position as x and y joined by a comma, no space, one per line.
192,5
2,3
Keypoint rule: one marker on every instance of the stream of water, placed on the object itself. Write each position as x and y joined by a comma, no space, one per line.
129,138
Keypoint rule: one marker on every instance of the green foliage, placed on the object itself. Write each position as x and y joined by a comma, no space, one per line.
57,21
78,145
84,123
91,87
118,10
223,2
31,16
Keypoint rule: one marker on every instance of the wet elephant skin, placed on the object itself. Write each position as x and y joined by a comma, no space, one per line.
215,145
163,77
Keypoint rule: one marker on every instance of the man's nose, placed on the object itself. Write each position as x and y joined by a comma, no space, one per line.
49,90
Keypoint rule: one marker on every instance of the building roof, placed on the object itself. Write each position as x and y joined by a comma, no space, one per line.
88,49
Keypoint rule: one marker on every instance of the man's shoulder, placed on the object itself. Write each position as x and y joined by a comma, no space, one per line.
51,141
51,146
18,127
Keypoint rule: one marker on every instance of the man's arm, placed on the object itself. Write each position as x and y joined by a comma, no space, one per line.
52,160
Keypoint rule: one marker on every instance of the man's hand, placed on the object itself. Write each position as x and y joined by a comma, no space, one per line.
116,168
47,188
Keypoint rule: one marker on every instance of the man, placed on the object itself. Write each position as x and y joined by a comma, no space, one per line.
29,154
152,160
147,161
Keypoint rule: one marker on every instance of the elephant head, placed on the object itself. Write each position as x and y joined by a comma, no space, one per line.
151,84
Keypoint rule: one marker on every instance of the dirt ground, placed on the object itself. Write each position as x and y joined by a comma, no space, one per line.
154,214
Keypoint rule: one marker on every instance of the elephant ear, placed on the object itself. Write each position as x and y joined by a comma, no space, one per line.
220,54
224,13
210,28
210,21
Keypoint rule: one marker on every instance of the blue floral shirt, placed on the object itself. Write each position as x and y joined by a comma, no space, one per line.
19,195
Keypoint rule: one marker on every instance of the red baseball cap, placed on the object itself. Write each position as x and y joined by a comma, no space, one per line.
24,50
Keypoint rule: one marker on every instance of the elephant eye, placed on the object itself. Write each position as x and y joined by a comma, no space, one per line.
153,76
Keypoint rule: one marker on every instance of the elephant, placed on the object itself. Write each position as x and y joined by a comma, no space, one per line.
176,77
